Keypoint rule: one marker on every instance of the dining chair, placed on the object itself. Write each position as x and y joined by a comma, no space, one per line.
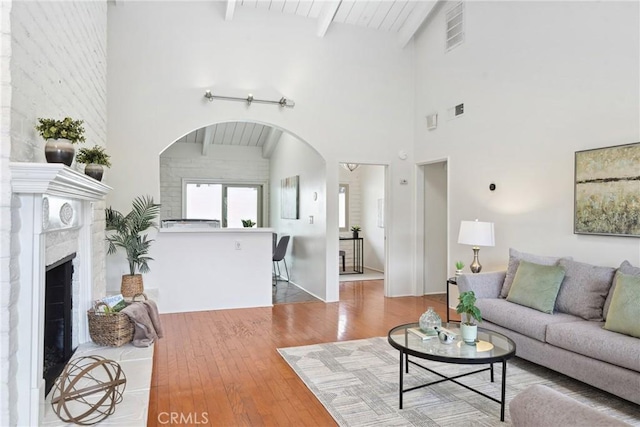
278,255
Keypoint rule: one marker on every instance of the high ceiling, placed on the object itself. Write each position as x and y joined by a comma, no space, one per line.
403,17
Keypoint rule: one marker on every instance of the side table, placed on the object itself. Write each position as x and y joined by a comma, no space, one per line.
450,281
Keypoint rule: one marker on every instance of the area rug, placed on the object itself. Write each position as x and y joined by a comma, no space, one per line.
357,382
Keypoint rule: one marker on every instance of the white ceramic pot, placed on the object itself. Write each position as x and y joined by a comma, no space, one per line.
469,332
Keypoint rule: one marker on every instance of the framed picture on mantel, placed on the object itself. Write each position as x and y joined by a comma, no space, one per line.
607,191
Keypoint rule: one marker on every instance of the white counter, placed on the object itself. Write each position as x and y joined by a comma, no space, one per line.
211,268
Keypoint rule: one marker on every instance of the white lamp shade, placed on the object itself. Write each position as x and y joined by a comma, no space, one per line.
476,233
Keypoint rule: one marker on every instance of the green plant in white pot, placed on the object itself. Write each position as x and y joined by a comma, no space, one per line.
459,267
125,231
60,136
471,314
94,158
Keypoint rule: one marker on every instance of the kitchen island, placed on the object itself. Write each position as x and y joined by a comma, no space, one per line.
196,269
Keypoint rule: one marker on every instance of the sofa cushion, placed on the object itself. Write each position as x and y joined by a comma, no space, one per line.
584,289
536,286
624,312
519,318
514,261
625,268
591,340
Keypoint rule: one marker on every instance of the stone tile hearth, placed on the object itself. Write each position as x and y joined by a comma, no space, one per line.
137,365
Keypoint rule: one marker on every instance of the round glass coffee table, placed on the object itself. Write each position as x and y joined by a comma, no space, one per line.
491,347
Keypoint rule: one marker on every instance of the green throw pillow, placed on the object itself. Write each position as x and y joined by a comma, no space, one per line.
536,286
624,312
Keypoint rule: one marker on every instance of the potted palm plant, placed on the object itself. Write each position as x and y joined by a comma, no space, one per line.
355,230
127,233
94,158
471,313
60,136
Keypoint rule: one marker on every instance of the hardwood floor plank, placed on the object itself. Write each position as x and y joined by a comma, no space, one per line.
225,363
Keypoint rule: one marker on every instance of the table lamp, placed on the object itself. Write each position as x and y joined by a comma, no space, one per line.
476,234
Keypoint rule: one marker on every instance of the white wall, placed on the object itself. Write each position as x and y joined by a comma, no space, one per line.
352,88
222,163
53,65
306,254
372,184
539,80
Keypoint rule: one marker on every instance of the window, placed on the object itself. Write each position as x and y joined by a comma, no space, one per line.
228,203
343,207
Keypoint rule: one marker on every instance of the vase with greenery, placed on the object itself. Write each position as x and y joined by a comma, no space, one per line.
355,230
95,159
247,223
459,267
126,231
60,136
471,314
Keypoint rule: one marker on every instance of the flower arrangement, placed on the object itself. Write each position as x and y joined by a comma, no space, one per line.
61,129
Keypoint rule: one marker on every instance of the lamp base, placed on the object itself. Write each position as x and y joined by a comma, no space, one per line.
475,265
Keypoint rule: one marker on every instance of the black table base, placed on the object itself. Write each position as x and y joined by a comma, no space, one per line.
404,366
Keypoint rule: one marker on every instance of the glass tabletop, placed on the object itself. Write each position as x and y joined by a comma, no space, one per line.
490,347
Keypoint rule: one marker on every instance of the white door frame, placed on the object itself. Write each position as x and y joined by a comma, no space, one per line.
420,219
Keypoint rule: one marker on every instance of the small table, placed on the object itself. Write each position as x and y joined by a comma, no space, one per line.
450,281
492,347
358,254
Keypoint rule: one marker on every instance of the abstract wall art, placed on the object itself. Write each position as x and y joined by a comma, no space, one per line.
607,191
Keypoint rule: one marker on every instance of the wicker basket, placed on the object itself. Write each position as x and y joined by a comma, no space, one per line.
110,329
131,285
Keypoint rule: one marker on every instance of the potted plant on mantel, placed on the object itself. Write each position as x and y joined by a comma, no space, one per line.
467,307
94,158
127,234
60,136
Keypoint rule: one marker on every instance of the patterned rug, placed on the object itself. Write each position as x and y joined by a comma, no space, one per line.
357,381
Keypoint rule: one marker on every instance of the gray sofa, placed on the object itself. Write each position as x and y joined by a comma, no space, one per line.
562,341
540,406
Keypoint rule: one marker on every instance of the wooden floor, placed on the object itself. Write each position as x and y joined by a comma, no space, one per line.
221,367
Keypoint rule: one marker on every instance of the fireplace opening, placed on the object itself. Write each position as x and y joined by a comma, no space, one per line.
58,319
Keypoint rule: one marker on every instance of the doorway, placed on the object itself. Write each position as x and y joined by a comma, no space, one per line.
361,204
436,235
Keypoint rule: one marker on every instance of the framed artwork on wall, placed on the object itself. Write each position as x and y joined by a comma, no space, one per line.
607,191
289,190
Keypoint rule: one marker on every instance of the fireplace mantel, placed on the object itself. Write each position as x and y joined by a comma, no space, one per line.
52,197
55,179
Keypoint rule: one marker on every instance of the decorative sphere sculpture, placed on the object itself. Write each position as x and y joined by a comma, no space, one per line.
88,390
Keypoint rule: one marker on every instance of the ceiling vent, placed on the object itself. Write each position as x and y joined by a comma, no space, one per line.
455,26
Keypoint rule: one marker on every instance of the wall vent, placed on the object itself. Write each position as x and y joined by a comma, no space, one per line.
455,26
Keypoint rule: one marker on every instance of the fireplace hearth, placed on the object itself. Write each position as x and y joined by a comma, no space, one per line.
58,321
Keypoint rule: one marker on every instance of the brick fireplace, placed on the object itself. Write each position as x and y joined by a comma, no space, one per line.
55,209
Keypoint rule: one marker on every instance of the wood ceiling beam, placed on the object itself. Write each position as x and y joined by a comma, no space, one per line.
328,12
231,8
421,12
207,140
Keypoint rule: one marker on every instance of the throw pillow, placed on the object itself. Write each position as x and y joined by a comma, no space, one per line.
514,260
625,268
584,289
624,311
536,286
